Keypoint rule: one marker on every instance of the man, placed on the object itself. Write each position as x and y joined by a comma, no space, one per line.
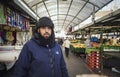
88,42
41,56
67,47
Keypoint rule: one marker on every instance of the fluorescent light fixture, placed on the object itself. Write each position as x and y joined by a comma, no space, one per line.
26,8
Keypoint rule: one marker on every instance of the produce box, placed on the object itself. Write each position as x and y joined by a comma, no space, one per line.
77,48
111,48
91,49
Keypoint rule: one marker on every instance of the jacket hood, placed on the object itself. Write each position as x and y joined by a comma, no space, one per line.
44,21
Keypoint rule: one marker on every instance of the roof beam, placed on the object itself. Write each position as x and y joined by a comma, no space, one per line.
66,20
77,13
91,3
46,8
67,12
37,3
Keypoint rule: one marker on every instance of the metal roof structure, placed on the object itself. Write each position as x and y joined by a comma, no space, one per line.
64,13
109,23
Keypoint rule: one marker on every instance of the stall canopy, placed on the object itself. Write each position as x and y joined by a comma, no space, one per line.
64,13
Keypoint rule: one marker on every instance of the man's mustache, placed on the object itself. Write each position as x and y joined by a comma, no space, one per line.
46,33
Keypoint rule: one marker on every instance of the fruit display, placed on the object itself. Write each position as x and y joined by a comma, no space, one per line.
112,42
110,48
74,41
95,44
77,47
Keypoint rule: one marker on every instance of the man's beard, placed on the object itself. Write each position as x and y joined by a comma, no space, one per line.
48,35
45,40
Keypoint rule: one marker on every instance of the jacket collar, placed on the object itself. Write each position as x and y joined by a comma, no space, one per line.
44,44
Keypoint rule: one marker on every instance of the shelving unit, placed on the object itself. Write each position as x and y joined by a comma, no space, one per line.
12,22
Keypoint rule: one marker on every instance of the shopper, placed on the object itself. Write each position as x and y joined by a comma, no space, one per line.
67,47
41,56
60,41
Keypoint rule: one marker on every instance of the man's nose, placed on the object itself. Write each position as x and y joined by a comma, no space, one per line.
46,29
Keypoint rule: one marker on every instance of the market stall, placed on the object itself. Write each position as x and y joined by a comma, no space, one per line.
77,48
14,32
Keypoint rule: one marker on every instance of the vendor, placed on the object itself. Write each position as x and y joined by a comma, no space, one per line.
87,42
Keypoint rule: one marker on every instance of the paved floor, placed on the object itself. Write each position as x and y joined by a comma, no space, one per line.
75,65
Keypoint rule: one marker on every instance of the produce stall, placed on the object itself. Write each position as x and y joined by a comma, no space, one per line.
111,56
77,48
14,32
107,29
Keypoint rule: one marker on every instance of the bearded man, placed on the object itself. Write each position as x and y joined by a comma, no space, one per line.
41,56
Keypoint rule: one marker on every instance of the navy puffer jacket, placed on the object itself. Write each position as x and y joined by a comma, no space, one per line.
34,61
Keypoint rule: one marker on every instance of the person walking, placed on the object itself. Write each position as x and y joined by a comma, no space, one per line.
67,47
41,56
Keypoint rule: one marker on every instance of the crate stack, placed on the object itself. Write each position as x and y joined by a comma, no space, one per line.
93,60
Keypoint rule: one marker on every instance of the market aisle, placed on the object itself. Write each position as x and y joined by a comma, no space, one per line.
75,65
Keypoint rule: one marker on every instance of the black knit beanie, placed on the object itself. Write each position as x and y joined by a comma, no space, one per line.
44,21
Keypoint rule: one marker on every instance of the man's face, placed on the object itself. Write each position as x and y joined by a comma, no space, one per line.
45,31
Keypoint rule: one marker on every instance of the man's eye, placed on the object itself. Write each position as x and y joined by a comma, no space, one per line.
49,27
